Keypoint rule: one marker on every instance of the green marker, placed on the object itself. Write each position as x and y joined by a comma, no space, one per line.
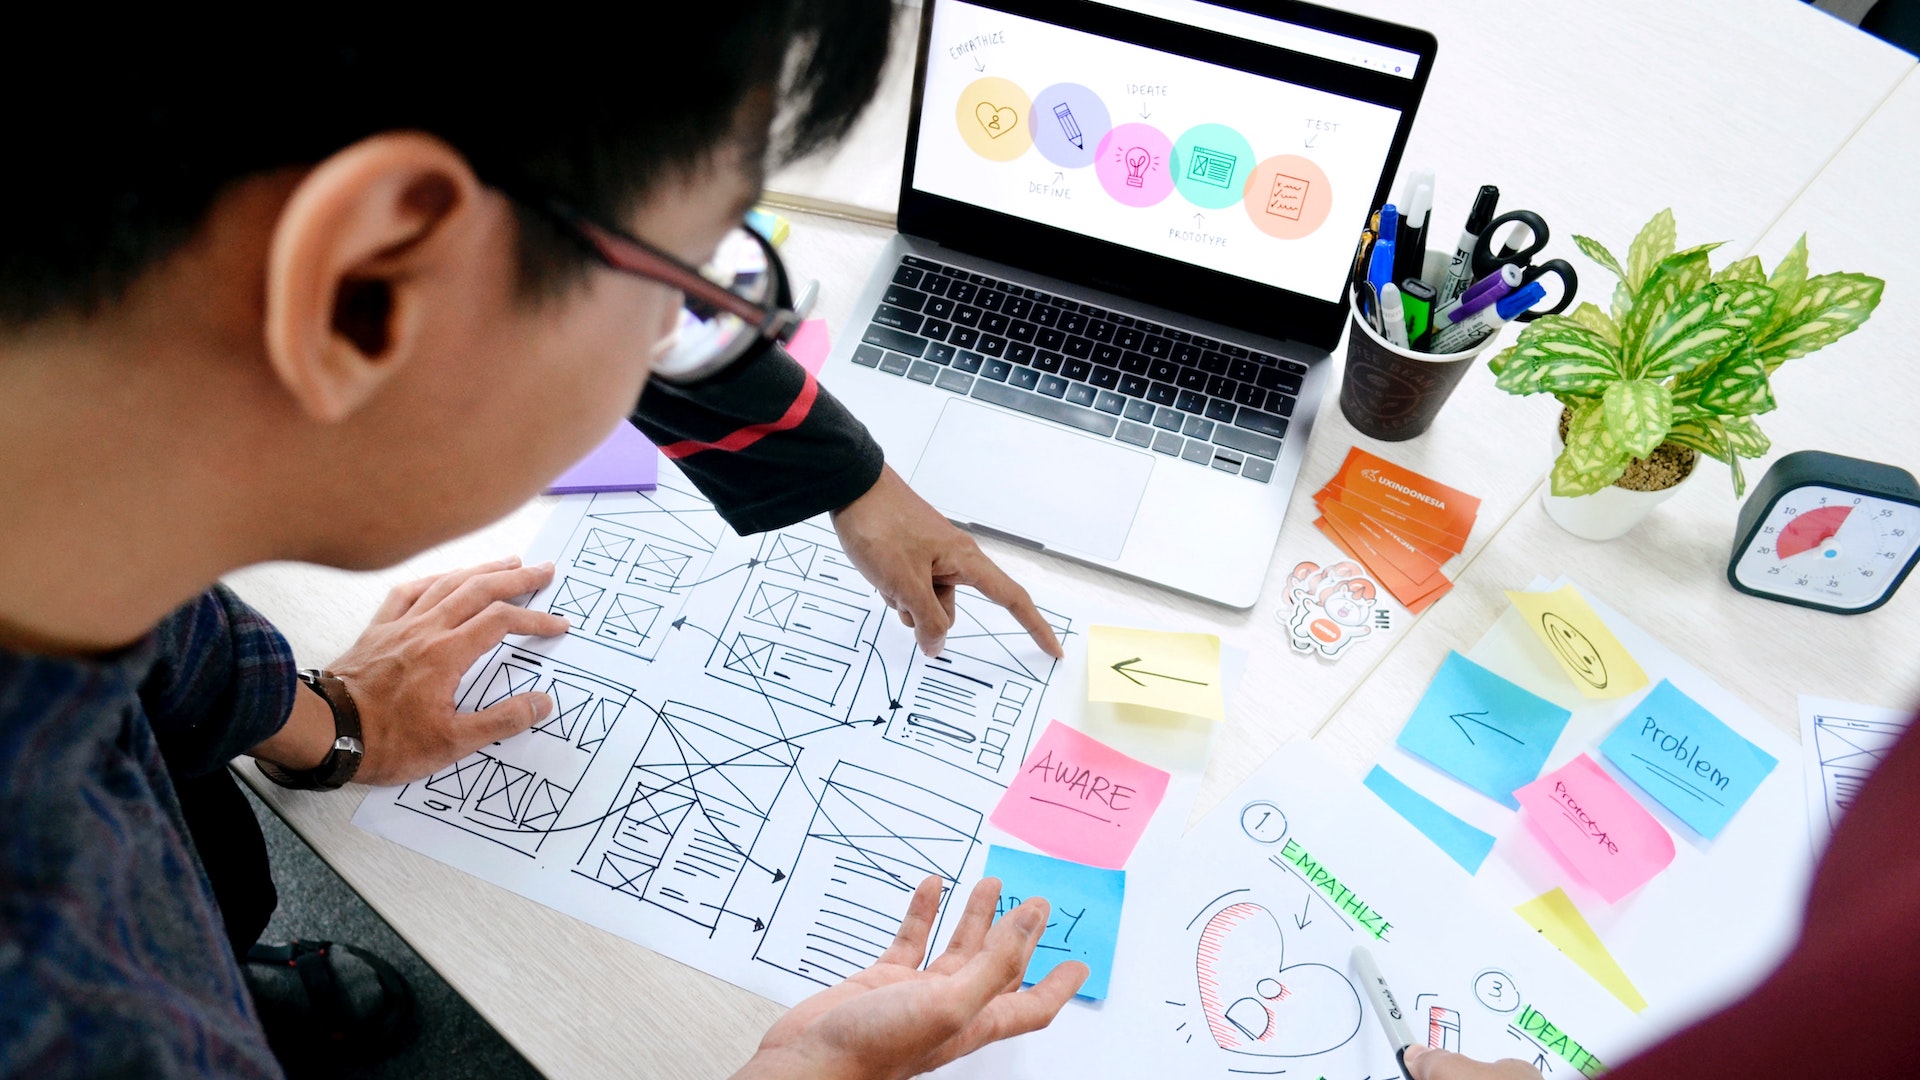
1417,299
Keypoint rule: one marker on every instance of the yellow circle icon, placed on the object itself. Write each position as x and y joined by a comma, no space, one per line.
993,119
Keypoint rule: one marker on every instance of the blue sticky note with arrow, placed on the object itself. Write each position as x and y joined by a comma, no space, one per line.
1685,757
1085,903
1482,730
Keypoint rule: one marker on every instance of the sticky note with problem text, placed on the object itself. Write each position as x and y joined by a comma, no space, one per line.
1587,651
1608,839
1483,730
1156,668
1685,757
1080,799
1084,922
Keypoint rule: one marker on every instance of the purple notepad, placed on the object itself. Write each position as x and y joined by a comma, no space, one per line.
627,461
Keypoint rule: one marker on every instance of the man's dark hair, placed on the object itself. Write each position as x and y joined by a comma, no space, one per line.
118,148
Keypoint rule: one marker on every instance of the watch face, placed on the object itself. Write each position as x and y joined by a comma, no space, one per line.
1821,545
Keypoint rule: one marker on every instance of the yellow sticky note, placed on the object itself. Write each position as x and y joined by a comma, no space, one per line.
1593,658
1562,925
1176,672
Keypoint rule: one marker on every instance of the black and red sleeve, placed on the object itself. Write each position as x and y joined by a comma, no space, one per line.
763,440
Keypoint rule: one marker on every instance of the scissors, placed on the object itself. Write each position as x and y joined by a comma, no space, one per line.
1521,252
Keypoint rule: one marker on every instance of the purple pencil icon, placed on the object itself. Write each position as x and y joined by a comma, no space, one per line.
1069,126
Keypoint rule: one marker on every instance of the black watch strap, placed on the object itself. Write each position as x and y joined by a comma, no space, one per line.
344,759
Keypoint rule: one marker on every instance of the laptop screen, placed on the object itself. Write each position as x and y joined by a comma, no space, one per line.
1235,143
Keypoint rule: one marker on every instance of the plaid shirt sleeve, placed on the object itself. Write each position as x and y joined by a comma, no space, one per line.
223,682
764,441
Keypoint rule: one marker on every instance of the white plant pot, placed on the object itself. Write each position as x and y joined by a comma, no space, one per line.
1606,514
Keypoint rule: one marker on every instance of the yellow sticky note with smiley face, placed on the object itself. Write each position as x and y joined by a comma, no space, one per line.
1589,653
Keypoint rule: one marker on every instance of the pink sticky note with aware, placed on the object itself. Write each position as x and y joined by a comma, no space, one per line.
1599,830
1080,799
809,344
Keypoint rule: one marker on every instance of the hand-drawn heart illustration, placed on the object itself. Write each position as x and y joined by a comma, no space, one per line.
997,121
1255,1004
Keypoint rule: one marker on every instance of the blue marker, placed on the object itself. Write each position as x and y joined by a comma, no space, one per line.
1380,270
1484,323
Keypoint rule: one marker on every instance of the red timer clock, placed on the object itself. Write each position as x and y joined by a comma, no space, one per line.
1827,532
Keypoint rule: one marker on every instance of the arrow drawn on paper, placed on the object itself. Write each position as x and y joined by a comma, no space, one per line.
1126,668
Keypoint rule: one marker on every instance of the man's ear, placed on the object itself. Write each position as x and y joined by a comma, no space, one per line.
359,246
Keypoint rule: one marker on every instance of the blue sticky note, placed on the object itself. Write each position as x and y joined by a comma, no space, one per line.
1483,730
1085,901
1682,755
1462,842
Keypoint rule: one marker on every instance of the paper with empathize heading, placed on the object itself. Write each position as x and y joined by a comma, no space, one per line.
1080,799
1175,672
1841,744
751,765
1234,960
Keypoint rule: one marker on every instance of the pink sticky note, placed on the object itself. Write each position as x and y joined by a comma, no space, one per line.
1080,799
627,461
1596,827
809,344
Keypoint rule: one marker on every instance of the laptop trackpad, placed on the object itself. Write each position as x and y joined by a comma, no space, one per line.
1033,480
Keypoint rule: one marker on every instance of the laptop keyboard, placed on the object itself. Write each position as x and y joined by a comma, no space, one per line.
1217,405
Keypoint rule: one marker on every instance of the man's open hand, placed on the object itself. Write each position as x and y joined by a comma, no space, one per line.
895,1020
404,669
915,558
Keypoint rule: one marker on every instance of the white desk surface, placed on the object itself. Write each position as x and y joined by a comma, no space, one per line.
1741,116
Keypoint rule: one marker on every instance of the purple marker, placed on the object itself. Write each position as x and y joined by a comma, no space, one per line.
1480,294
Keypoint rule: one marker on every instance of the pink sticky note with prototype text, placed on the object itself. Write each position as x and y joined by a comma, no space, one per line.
1080,799
809,344
1602,832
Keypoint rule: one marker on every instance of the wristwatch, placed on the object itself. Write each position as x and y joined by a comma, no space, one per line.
344,759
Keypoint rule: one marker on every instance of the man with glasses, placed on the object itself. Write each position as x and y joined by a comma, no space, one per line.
337,295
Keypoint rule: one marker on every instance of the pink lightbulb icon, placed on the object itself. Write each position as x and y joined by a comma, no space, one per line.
1137,161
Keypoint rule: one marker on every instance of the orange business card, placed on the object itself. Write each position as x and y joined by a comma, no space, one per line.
1436,545
1420,498
1415,596
1396,549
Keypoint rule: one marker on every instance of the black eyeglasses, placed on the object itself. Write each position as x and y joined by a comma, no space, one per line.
736,306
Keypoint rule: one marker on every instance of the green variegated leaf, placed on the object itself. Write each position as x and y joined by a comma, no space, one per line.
1637,414
1787,280
1828,308
1622,304
1500,360
1744,436
1650,248
1591,460
1597,321
1674,280
1598,252
1747,269
1559,355
1704,435
1703,328
1736,386
1690,264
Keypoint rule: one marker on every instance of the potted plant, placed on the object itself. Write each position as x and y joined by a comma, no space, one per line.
1680,367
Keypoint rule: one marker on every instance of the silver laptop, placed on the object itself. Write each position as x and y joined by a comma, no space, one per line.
1125,239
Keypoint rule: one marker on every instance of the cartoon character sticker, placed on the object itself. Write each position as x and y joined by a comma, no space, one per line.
1332,608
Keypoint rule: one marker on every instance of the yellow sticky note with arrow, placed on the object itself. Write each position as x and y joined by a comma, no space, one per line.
1176,672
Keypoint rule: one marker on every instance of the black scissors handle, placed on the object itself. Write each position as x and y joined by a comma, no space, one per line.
1569,284
1486,260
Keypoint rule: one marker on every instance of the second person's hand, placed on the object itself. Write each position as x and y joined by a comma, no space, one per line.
1427,1064
916,558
